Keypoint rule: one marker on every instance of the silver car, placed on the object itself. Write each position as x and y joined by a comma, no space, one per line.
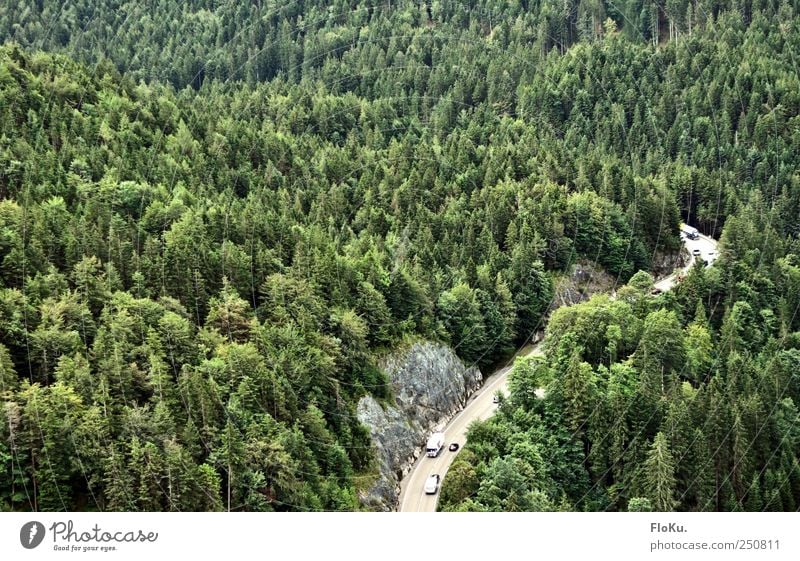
432,484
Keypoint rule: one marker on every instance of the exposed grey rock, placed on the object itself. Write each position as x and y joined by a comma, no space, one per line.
585,280
664,264
430,385
395,439
430,381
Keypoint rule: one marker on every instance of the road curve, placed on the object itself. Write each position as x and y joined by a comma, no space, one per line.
481,406
708,252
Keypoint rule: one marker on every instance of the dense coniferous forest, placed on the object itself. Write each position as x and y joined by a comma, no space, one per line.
215,219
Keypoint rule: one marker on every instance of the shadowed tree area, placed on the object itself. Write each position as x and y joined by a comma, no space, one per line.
214,220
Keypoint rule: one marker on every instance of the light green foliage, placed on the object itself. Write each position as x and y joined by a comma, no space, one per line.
459,311
660,354
659,475
8,375
207,237
669,425
639,504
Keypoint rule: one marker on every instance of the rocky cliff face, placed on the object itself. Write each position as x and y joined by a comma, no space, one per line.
585,280
664,264
430,385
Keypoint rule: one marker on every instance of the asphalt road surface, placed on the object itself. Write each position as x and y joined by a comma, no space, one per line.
480,406
707,247
412,488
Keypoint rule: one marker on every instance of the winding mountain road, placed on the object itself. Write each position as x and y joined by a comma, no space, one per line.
707,248
481,406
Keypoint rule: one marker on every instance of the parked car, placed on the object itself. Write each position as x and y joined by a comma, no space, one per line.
696,252
453,447
496,398
432,484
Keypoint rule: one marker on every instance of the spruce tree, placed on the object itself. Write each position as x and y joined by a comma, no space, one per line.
658,473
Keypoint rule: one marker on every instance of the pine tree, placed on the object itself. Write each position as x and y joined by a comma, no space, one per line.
753,501
639,504
229,458
658,474
459,311
579,393
8,375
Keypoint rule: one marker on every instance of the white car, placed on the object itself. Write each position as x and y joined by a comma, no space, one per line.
432,484
696,252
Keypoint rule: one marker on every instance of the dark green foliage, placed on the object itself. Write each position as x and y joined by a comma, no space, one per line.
658,475
692,419
208,232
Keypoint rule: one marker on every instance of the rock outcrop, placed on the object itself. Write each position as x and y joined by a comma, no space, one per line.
585,280
664,264
430,385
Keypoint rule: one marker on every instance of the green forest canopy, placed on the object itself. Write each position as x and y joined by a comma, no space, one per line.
214,219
